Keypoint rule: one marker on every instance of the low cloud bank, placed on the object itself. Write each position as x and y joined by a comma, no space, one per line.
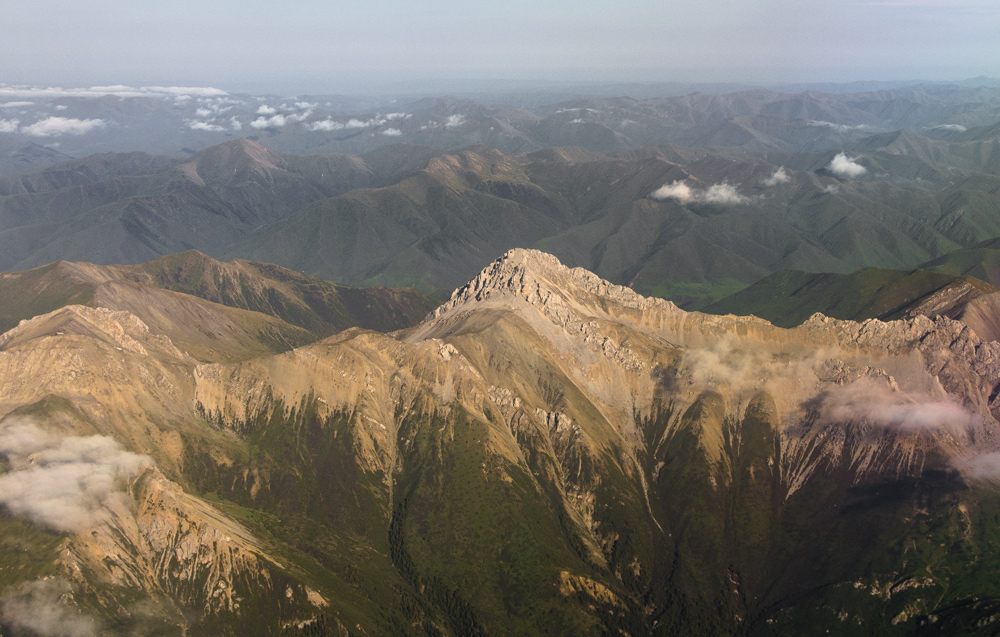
67,484
9,125
7,90
873,401
720,194
982,467
56,126
844,166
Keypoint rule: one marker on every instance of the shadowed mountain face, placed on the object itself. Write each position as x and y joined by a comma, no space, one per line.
685,223
547,452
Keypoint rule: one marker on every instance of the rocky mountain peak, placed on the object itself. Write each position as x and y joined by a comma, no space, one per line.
539,279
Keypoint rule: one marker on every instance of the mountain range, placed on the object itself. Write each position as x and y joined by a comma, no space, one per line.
40,125
716,363
689,224
545,452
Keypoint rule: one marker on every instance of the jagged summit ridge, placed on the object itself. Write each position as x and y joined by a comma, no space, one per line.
535,276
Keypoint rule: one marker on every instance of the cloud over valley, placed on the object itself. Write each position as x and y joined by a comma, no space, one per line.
843,166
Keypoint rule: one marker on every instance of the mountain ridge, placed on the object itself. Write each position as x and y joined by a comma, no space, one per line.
547,451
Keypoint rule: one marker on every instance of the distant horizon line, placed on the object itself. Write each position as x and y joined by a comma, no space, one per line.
427,85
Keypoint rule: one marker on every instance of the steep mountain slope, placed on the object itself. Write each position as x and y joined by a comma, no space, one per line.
107,529
546,453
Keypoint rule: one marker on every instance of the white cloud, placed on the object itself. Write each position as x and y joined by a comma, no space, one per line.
843,166
328,125
205,126
37,608
677,190
235,123
357,123
266,110
8,125
955,127
61,107
325,125
305,105
872,401
983,467
15,104
203,112
275,121
55,126
63,483
454,121
719,194
843,128
780,176
576,121
831,189
723,194
392,132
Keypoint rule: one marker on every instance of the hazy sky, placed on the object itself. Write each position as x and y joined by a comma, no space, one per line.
318,45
